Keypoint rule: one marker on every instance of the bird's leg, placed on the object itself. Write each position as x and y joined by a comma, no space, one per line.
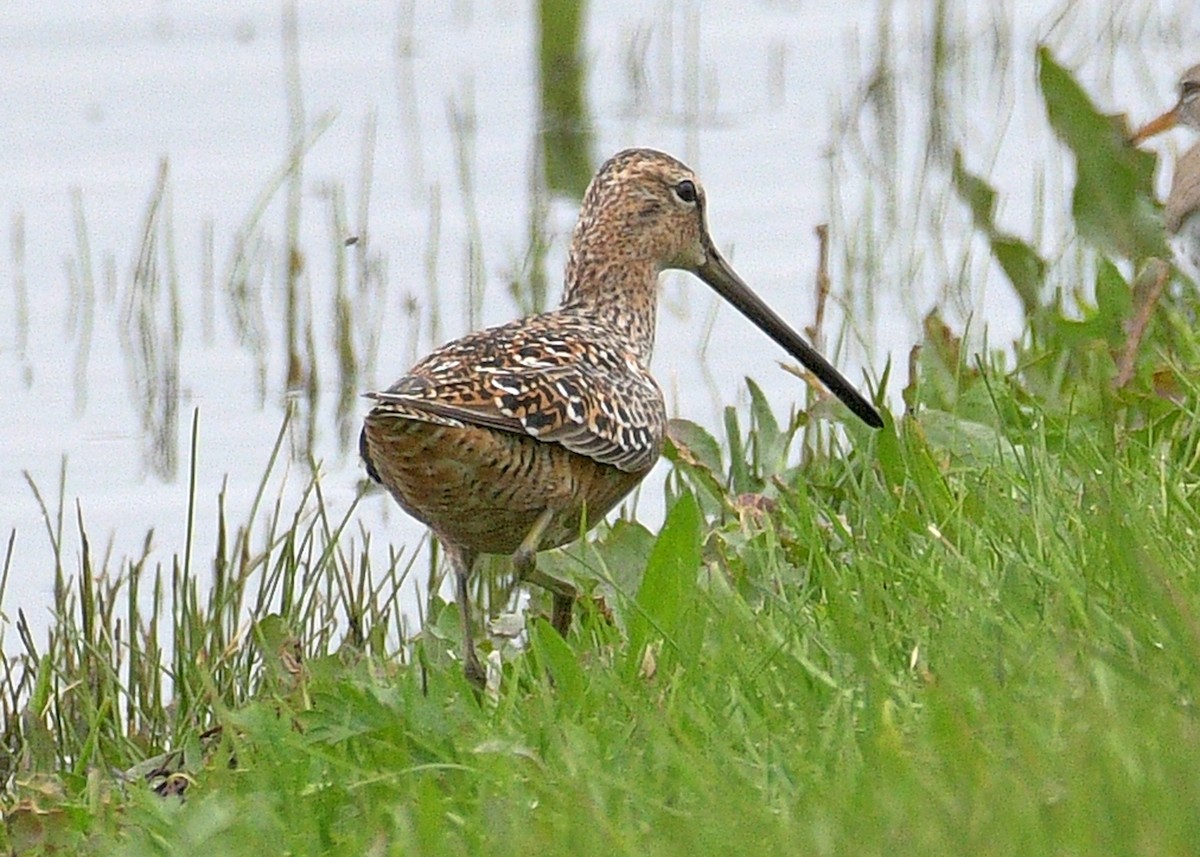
461,562
524,561
560,614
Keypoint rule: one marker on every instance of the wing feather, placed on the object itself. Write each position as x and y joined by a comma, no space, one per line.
549,380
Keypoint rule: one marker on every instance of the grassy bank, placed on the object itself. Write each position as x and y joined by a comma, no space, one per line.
982,646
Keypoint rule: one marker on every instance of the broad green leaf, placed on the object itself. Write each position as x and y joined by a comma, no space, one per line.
1114,301
668,586
1113,201
770,442
697,455
1025,269
967,442
702,446
556,654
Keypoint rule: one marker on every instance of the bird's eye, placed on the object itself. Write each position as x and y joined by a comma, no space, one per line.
1189,89
686,191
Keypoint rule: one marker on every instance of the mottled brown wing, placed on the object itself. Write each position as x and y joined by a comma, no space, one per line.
530,379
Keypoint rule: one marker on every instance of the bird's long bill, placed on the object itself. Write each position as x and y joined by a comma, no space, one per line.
717,273
1156,126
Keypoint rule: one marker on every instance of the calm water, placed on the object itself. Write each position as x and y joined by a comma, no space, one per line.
145,274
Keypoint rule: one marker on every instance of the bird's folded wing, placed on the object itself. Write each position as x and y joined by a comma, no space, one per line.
612,418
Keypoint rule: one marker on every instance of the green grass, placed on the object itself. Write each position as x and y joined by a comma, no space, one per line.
996,657
976,631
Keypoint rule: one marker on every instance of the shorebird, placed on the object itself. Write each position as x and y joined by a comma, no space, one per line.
521,437
1182,210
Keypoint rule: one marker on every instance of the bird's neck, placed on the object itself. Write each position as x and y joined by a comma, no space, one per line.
620,295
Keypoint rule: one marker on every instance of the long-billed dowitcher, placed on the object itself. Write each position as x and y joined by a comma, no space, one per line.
1183,202
519,438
